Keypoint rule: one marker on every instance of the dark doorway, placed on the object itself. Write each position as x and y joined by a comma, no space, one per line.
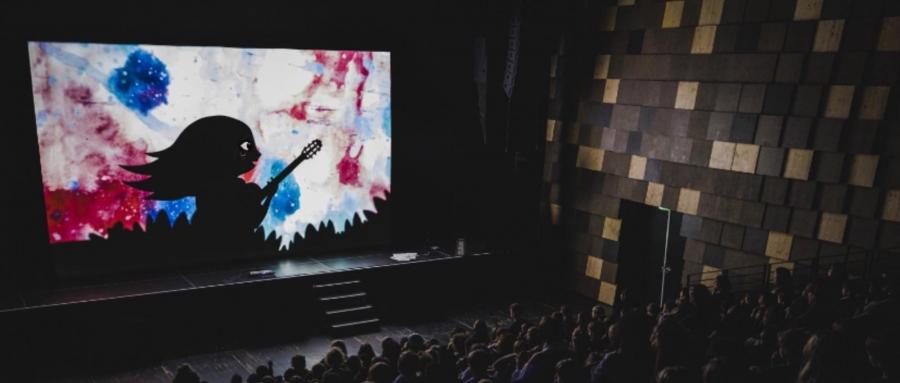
642,249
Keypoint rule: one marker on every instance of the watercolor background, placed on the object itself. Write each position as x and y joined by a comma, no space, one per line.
99,106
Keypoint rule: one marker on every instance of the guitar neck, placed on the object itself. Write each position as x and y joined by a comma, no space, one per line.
272,186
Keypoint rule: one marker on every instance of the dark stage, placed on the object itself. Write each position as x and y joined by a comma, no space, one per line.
140,321
175,281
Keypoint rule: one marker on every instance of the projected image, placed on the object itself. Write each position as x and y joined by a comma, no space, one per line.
229,141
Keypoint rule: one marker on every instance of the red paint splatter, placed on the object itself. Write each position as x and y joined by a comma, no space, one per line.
336,69
358,60
79,94
40,79
106,128
378,191
298,112
348,167
315,84
73,214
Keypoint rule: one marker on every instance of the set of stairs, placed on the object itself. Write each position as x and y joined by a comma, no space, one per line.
347,307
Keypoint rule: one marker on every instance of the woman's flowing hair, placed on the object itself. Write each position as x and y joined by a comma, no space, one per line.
205,149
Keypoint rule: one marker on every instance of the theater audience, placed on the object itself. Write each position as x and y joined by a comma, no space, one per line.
833,330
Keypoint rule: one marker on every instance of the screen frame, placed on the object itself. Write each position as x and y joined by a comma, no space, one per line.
61,262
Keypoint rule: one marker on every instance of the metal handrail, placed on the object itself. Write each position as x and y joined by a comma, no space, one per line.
760,278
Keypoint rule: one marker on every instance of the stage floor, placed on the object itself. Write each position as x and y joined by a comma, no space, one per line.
180,280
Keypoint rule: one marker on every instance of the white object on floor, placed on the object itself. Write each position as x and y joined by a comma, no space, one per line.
404,257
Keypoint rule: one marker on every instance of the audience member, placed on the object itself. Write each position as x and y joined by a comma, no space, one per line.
834,330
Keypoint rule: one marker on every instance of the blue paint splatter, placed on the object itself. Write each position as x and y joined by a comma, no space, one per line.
342,216
174,208
315,67
287,199
386,120
363,127
73,185
41,118
51,80
142,83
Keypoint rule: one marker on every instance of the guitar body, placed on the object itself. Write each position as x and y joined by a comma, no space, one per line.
229,212
308,152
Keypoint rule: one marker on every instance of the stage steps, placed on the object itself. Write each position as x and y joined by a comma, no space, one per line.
346,307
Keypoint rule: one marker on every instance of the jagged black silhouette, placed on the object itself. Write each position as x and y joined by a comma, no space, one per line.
176,242
356,233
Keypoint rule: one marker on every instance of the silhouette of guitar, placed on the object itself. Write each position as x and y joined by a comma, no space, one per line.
308,152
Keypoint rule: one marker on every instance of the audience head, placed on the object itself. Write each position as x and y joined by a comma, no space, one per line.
504,367
809,293
552,330
883,352
824,358
262,371
564,310
390,349
186,374
723,284
366,353
339,344
614,334
582,318
415,343
837,271
479,361
580,341
596,332
298,362
380,372
598,313
504,344
335,358
566,371
782,277
480,328
533,336
698,295
790,346
332,377
675,374
318,370
408,364
715,372
354,363
458,344
516,311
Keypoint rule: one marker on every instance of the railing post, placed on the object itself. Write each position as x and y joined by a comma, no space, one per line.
847,261
814,268
867,263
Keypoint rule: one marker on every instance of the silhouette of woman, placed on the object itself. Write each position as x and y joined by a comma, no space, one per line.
205,161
